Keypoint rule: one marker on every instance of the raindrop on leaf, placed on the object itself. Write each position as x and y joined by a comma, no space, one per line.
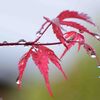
17,82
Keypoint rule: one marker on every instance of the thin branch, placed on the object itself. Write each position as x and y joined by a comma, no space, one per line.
27,44
39,32
32,43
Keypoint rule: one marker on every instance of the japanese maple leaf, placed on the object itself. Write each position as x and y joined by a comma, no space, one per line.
21,65
41,56
74,14
80,27
57,30
59,34
41,60
73,38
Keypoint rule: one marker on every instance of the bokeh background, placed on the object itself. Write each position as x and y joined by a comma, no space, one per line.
21,19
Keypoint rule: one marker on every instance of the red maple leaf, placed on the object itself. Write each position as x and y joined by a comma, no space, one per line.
73,38
59,34
41,57
73,14
41,60
80,27
21,66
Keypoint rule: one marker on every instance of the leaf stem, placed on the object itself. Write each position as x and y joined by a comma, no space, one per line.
39,32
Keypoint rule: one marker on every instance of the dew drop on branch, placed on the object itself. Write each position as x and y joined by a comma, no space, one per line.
21,41
5,42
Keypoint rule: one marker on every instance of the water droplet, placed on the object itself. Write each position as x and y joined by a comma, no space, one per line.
93,56
97,37
38,32
17,82
21,41
98,66
5,42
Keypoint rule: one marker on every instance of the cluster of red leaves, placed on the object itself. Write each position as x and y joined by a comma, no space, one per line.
41,54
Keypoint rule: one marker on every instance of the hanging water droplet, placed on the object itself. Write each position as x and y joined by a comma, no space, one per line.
97,37
17,82
93,56
98,66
